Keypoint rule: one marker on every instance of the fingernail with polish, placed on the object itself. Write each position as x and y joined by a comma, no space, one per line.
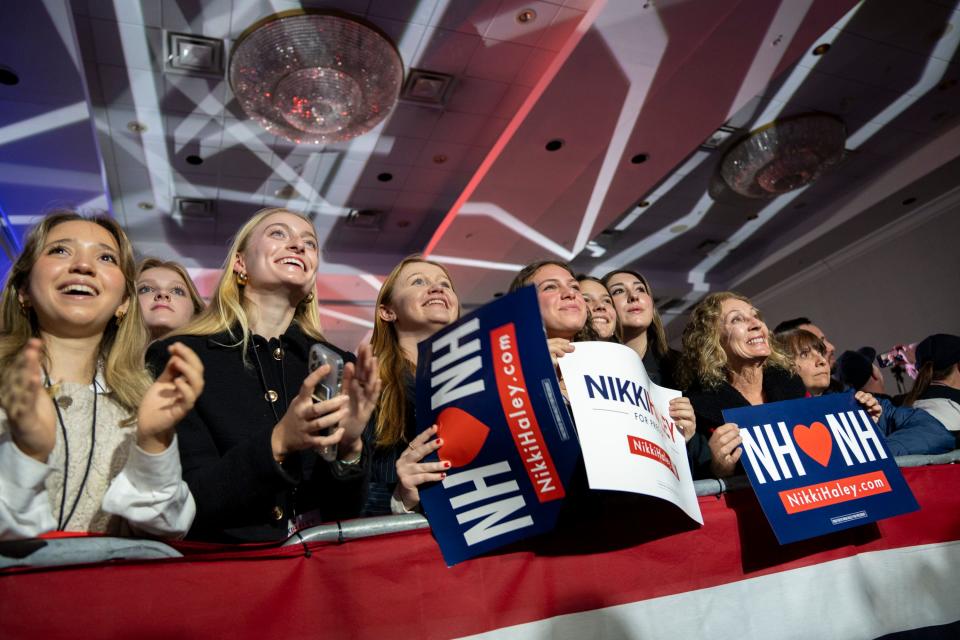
446,464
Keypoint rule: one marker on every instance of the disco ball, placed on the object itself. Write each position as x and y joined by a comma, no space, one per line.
315,77
784,155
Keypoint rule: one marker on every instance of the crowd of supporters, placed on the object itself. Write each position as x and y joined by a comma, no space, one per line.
130,407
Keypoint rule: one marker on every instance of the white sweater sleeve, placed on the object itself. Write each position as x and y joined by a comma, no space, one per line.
150,494
24,501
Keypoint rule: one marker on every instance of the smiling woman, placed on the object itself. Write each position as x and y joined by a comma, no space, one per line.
73,454
250,445
416,300
728,361
167,296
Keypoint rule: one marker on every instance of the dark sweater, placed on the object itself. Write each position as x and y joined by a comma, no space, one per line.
242,493
709,403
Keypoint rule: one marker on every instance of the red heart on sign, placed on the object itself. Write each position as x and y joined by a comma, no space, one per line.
815,441
462,434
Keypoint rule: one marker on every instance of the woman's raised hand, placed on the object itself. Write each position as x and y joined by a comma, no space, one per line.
306,423
725,449
361,383
169,398
411,472
29,408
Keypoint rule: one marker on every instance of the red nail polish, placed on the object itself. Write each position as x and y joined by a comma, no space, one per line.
442,476
446,465
439,442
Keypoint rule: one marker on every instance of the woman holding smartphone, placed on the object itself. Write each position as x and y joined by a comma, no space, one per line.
87,440
249,447
416,300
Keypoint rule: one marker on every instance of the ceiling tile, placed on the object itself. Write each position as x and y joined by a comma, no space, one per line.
885,20
467,17
243,163
459,157
195,185
137,12
381,199
405,35
209,18
506,27
561,28
415,11
246,190
477,96
246,133
535,66
128,45
513,99
459,128
193,94
210,158
141,88
496,60
412,121
423,180
194,129
446,51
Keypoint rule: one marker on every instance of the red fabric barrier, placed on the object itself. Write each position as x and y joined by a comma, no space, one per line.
398,586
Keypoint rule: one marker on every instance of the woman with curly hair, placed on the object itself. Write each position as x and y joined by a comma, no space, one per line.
729,361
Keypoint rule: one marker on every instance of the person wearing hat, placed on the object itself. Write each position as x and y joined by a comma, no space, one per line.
937,387
908,430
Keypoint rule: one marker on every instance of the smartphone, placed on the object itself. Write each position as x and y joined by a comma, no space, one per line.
328,387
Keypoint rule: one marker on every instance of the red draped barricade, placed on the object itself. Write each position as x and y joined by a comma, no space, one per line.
646,573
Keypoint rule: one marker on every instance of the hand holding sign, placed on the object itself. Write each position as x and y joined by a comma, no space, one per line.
870,404
725,450
411,472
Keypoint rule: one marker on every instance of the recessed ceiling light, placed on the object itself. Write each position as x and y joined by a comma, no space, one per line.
554,145
526,16
8,76
821,49
909,201
136,127
643,203
385,177
194,160
678,228
403,224
439,158
753,216
640,158
285,192
146,206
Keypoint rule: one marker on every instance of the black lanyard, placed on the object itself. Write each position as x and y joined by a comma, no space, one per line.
61,522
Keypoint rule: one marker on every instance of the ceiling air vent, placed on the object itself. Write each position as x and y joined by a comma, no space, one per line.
427,88
193,55
193,208
368,219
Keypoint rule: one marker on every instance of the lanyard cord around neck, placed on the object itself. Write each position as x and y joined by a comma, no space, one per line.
61,521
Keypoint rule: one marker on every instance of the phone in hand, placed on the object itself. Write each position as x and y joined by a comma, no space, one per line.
329,386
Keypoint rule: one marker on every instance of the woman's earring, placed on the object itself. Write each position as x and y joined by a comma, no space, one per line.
120,315
309,298
242,278
24,306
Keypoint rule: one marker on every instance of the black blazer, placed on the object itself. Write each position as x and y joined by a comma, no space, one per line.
242,493
709,403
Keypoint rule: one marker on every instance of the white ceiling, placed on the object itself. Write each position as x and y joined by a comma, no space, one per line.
610,79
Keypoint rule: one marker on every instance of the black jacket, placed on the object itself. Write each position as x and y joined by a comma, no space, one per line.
709,403
242,493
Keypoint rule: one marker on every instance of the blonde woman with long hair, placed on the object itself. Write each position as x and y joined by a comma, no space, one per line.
416,300
249,447
167,295
87,440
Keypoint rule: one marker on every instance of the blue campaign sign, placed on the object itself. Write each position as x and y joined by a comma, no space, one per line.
488,384
819,465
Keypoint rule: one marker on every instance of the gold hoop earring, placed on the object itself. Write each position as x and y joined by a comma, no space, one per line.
242,278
